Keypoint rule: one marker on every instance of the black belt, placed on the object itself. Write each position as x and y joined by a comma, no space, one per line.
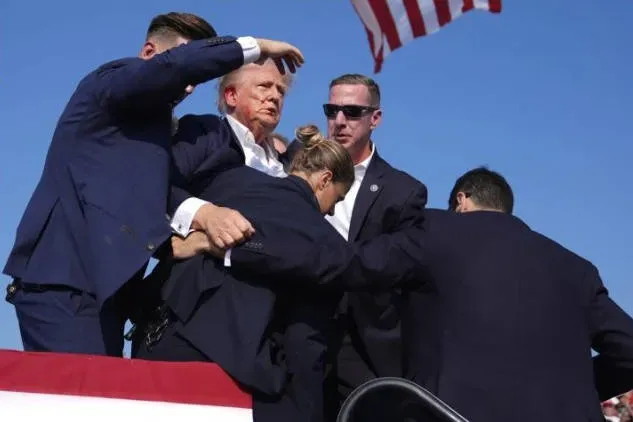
18,284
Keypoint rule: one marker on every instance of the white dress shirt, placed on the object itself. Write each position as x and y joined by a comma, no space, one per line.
263,158
343,210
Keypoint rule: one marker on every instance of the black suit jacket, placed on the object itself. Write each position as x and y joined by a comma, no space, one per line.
204,146
388,201
504,327
235,316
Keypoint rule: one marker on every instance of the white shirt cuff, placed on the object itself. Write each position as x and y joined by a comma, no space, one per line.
250,48
183,217
227,258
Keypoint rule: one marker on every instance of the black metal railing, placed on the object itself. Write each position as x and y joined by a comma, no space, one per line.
414,394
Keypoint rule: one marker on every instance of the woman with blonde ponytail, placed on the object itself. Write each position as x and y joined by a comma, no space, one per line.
325,165
255,310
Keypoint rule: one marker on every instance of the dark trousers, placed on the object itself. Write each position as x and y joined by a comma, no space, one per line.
168,345
67,320
174,348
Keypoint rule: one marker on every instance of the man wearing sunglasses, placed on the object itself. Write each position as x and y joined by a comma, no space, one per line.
381,200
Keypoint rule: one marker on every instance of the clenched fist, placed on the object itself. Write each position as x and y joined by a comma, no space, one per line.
224,227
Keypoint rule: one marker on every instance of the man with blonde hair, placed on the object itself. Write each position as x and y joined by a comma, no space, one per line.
251,100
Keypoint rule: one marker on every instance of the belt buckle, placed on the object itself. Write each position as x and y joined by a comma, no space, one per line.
12,289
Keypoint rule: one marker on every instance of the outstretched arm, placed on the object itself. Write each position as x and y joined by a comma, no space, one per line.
161,80
380,263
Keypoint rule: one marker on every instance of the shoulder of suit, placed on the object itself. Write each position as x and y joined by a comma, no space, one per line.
106,68
438,216
400,177
556,252
555,248
115,64
202,119
201,122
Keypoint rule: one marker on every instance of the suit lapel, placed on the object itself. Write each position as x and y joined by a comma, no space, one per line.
234,140
369,190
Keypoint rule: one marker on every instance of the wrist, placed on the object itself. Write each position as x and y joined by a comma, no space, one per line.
198,219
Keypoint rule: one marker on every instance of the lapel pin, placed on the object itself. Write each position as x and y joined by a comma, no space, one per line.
373,188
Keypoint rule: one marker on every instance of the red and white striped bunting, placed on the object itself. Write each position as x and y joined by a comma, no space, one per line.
38,386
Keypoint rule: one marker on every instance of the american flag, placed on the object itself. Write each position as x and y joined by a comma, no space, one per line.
392,23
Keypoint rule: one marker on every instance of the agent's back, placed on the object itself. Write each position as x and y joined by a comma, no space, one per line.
513,317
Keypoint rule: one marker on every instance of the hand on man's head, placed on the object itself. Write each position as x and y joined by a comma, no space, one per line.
281,52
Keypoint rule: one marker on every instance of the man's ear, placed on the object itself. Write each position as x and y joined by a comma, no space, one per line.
230,96
376,117
462,204
149,50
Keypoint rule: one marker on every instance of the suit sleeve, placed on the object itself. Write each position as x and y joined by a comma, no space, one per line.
196,159
379,263
162,79
413,208
188,153
612,338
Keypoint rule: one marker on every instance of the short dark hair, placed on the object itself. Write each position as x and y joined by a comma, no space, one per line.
358,79
186,25
486,188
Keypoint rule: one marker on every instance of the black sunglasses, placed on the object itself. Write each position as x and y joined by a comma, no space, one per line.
349,111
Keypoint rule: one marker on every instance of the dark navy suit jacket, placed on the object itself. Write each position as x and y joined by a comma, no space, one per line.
204,147
230,314
388,201
98,211
504,327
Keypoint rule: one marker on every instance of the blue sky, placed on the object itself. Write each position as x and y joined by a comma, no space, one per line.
542,93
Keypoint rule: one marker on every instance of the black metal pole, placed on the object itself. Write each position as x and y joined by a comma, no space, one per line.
430,401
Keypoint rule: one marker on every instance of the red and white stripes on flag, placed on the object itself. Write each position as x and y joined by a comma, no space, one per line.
392,23
76,388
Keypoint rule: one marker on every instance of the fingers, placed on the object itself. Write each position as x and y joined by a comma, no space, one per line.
282,52
297,55
291,66
280,66
227,228
217,252
217,241
293,58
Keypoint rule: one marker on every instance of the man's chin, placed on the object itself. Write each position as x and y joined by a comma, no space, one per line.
343,140
270,123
